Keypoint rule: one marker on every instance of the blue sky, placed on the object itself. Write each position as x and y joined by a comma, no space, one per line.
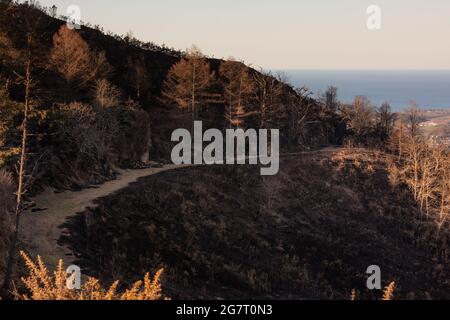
286,34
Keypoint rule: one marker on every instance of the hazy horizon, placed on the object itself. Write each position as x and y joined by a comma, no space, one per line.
428,88
287,34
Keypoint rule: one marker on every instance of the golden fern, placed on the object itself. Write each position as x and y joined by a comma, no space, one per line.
41,286
389,292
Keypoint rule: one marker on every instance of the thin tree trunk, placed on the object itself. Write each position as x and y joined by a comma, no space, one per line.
21,181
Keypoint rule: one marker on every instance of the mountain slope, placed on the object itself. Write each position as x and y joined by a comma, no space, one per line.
310,232
50,94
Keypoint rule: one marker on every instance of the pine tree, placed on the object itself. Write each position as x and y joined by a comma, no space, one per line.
188,82
74,61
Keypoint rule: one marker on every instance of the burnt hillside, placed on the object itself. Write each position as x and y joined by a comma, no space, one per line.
118,49
147,110
308,233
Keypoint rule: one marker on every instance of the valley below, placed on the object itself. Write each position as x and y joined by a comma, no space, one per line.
437,124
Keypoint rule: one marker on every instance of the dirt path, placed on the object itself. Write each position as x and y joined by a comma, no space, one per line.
40,230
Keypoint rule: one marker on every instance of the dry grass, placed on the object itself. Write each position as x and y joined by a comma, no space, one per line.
40,285
388,293
329,221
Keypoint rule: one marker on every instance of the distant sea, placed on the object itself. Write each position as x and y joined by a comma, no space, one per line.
429,89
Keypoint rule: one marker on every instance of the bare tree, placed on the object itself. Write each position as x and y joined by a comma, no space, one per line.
298,108
106,124
386,118
360,117
106,95
138,75
424,167
328,108
414,117
444,189
188,82
27,49
329,100
27,81
414,150
238,86
385,122
268,91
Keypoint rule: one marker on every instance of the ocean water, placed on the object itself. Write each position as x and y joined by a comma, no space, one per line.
429,89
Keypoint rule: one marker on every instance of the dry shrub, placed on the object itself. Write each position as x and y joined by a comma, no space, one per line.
42,286
106,95
425,168
389,292
92,139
